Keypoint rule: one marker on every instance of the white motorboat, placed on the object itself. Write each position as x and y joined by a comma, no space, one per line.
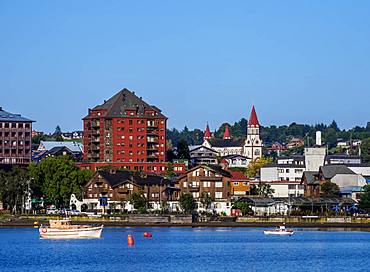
63,229
279,231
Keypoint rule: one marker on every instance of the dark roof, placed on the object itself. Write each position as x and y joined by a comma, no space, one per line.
11,117
58,149
342,156
311,177
291,157
216,168
124,100
288,165
330,170
235,156
202,146
215,142
118,177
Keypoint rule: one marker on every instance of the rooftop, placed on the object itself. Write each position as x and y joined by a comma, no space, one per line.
12,117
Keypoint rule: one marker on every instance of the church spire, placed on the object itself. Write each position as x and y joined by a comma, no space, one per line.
253,119
226,133
207,133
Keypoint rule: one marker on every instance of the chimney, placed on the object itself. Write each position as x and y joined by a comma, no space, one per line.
318,138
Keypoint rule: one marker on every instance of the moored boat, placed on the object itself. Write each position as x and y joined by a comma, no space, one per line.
279,231
63,229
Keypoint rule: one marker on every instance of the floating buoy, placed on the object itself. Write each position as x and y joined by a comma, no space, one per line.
147,234
130,240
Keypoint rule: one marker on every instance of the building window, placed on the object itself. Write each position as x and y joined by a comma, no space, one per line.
218,195
236,183
218,184
206,184
196,194
185,184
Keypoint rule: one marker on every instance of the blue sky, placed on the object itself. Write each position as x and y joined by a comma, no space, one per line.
199,61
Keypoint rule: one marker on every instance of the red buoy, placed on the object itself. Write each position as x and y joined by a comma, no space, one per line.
130,240
147,234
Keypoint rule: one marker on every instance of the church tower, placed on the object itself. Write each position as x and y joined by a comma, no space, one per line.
253,143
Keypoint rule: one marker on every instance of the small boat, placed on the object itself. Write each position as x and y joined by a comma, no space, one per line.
63,229
281,230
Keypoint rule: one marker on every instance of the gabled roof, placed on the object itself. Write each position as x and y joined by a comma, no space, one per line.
118,177
330,170
126,100
311,177
216,168
202,146
253,119
226,142
11,117
73,146
58,149
229,157
280,165
236,175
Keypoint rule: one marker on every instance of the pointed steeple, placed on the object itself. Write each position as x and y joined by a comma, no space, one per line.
253,120
227,133
207,133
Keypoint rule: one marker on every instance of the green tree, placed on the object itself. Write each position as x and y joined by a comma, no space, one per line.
56,178
187,202
139,201
254,167
364,202
264,190
13,188
206,200
365,150
243,207
329,189
183,150
170,171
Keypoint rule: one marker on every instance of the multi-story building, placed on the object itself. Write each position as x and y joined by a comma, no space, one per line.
126,132
15,139
114,188
210,179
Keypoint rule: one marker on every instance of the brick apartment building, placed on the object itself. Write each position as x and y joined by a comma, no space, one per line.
126,132
15,139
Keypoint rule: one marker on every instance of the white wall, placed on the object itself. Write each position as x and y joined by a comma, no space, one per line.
314,158
269,174
348,180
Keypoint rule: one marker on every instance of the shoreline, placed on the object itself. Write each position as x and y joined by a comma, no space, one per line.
30,224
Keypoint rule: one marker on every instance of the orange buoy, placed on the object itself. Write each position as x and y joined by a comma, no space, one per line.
130,240
147,234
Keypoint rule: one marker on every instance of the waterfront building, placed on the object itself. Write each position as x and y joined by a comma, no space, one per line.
283,188
15,139
126,132
239,184
114,188
209,179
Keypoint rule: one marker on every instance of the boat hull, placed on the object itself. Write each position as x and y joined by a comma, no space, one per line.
279,233
78,233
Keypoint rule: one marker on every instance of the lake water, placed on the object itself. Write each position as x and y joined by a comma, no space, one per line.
187,249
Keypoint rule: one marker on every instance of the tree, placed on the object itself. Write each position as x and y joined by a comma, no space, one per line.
329,189
365,150
57,131
13,188
139,201
206,200
364,202
254,167
187,202
56,178
183,150
170,171
243,207
264,190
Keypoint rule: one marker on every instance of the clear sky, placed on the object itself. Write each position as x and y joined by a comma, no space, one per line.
297,61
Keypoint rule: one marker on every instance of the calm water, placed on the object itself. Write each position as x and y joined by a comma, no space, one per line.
186,249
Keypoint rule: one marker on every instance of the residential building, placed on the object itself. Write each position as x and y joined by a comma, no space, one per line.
342,159
239,184
283,188
236,161
114,188
37,156
15,139
74,135
126,132
295,143
203,155
210,179
72,146
125,129
282,172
